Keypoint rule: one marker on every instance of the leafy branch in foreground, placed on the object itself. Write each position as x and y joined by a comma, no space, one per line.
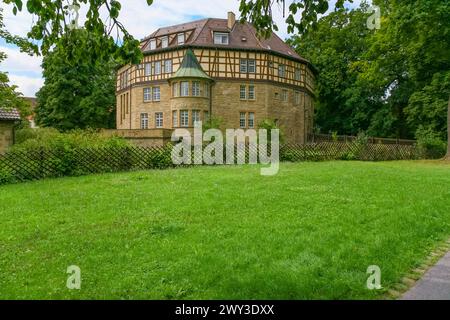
56,18
302,15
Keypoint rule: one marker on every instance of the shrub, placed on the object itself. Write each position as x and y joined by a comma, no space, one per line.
26,134
356,149
6,176
334,136
362,139
212,123
50,153
269,124
49,138
429,144
161,158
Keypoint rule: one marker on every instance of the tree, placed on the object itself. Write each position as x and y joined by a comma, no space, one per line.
302,15
78,93
409,60
389,82
448,130
335,47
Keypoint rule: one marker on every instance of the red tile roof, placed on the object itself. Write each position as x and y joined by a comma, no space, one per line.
202,36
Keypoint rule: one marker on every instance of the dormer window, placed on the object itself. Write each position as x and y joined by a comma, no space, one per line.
164,42
153,44
180,38
221,38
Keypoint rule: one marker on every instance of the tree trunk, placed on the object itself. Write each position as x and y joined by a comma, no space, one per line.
448,131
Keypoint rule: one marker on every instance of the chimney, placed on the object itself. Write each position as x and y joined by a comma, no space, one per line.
231,20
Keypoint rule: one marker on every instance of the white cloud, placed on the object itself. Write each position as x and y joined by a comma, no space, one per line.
20,62
23,70
27,85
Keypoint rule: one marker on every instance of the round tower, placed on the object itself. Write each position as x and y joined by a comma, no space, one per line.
191,93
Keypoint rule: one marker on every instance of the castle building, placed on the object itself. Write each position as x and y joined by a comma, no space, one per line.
215,69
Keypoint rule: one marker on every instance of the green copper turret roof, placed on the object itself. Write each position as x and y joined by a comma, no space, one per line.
190,68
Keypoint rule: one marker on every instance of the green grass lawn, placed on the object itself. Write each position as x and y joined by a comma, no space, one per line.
309,232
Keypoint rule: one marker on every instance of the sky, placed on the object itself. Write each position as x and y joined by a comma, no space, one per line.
139,19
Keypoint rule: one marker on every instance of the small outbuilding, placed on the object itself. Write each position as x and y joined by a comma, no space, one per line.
8,119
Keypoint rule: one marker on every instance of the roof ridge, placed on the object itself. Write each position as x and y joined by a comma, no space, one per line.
173,26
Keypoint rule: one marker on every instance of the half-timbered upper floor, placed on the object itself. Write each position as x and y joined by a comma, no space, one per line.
225,49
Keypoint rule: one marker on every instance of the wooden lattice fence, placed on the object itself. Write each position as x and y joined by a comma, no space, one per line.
36,164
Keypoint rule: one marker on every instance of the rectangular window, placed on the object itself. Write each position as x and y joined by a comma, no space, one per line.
158,67
206,90
251,92
243,64
121,108
284,95
281,70
144,120
243,92
251,66
153,44
124,80
184,88
221,38
175,89
159,119
180,38
247,66
195,88
242,119
297,74
174,118
148,69
195,117
164,42
251,120
205,116
184,118
147,94
156,94
297,97
168,66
